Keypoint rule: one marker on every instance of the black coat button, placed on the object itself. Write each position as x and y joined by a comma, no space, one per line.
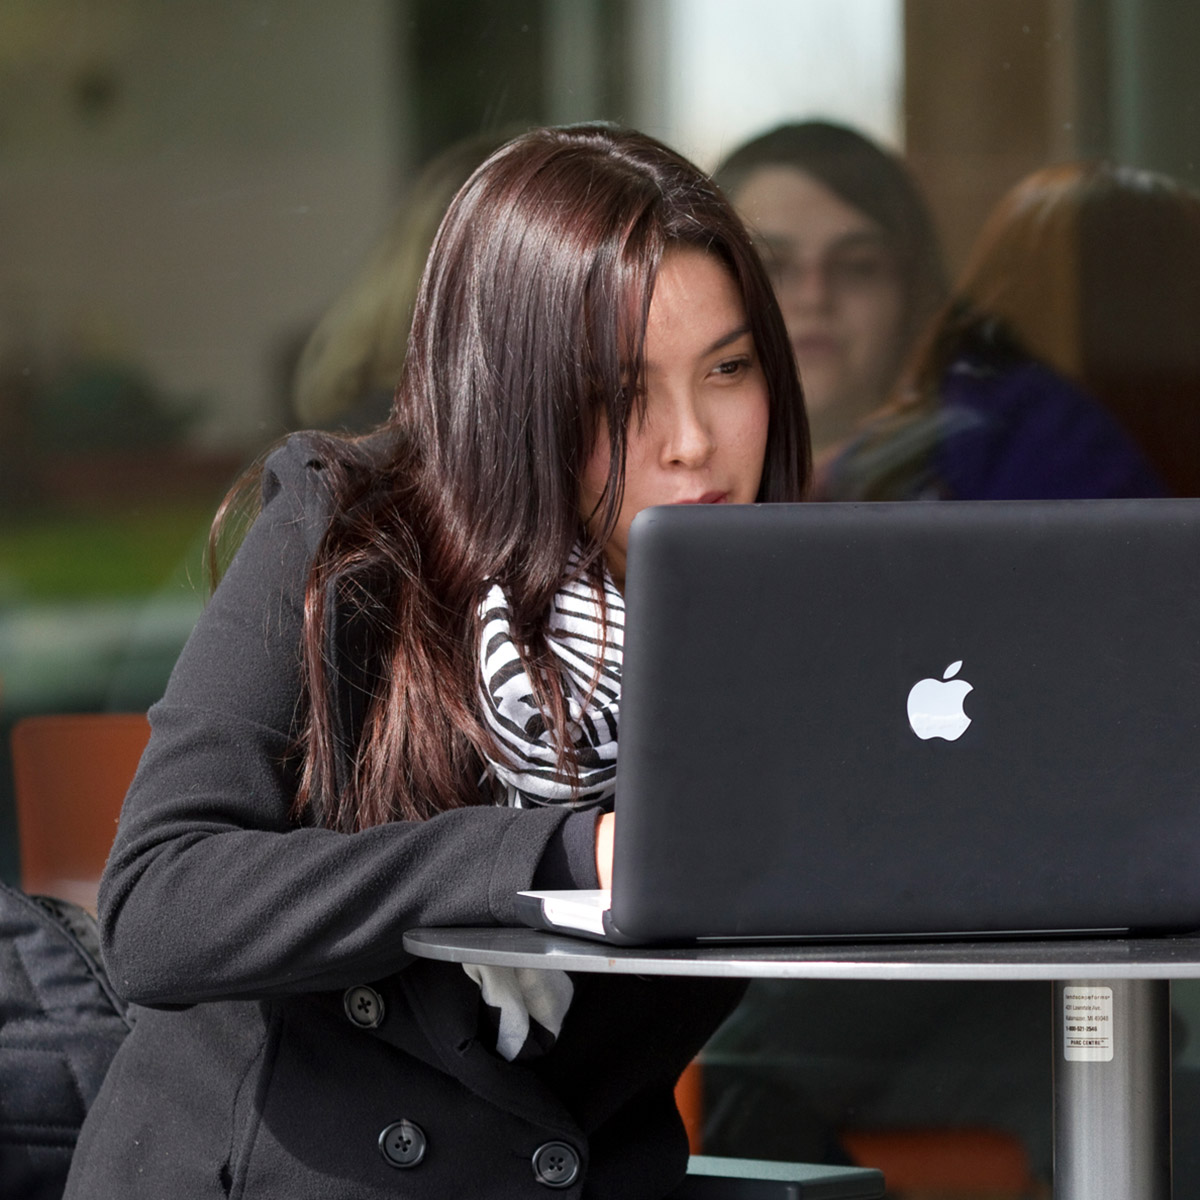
556,1165
403,1144
364,1006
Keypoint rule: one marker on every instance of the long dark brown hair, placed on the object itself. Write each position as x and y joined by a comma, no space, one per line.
526,340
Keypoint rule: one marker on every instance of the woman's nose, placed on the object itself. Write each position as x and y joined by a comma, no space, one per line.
689,442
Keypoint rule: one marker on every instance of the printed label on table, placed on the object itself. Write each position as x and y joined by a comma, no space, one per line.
1087,1024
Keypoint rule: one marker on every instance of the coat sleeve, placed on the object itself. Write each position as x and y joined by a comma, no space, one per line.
212,891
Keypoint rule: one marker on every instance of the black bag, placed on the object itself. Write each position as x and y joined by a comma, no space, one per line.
60,1025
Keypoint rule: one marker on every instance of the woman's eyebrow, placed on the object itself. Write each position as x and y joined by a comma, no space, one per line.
720,343
732,336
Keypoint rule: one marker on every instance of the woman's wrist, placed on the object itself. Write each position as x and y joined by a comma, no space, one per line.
604,848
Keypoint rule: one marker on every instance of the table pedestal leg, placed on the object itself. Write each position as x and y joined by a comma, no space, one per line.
1112,1090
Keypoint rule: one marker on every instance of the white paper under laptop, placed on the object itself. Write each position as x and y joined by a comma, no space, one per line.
905,720
578,911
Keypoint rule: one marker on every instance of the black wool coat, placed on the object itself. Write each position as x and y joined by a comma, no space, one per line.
288,1047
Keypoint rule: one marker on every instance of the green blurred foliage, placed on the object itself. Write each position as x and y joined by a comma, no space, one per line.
110,554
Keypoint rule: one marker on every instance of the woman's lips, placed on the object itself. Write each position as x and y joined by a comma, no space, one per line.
707,498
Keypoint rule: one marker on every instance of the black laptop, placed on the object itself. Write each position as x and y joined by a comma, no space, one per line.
905,720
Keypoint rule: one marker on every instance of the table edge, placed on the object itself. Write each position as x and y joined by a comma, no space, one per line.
1027,960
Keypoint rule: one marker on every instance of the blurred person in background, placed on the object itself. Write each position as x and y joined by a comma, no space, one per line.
1066,365
350,364
854,257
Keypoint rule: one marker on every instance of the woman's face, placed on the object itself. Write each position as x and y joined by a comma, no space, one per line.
837,282
704,434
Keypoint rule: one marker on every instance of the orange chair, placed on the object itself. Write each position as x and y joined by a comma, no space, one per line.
985,1163
958,1164
689,1099
71,773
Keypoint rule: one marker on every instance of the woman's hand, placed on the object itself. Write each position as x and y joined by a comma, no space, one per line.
604,848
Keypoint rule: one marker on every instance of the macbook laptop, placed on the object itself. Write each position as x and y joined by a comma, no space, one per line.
905,720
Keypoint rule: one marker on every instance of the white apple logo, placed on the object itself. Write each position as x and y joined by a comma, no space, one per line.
935,706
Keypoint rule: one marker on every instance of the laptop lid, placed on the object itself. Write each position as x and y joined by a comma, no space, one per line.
849,720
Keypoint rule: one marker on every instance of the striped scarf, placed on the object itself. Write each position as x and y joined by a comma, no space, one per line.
589,659
526,1008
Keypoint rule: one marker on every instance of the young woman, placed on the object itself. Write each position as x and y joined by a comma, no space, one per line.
399,709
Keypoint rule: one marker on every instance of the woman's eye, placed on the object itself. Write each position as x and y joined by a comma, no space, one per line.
732,367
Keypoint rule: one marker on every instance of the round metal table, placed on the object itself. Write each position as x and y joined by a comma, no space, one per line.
1112,1039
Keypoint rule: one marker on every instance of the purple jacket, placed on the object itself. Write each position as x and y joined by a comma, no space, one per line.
1014,432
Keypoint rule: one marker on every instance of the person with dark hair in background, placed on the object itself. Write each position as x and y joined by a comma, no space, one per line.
399,709
1067,364
853,255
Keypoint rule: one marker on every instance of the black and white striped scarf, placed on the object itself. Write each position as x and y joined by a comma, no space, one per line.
588,641
586,633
